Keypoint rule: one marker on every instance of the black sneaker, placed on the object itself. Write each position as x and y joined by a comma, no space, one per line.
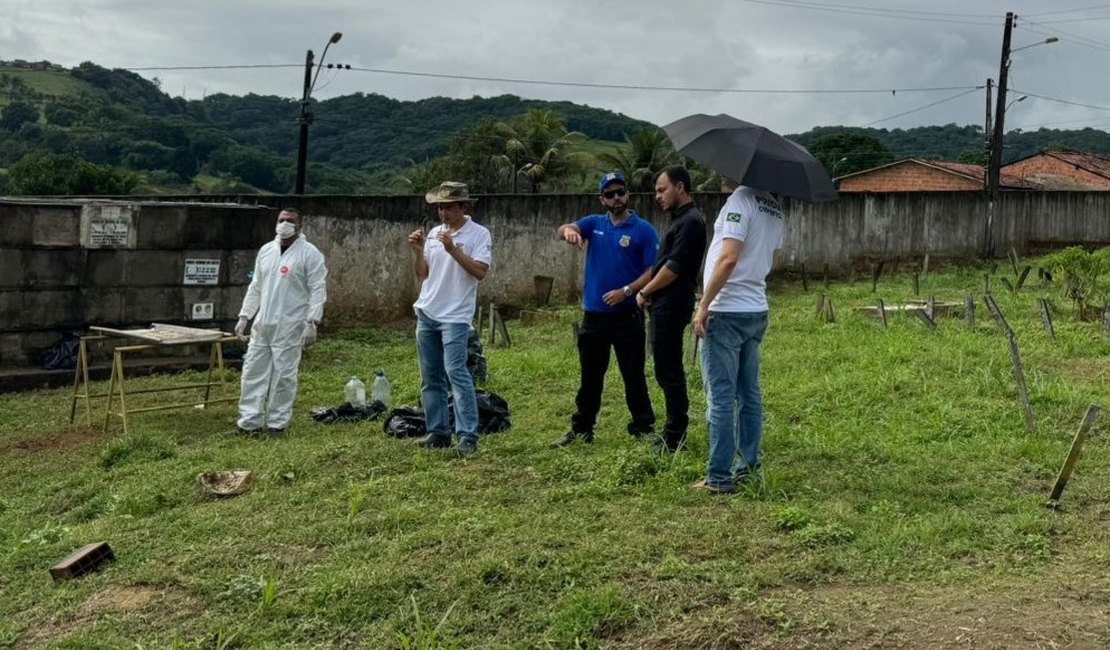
244,433
275,433
571,436
434,441
467,447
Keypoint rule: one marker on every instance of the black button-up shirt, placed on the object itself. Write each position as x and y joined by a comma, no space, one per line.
682,251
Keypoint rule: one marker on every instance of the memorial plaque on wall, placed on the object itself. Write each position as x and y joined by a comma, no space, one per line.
108,226
200,271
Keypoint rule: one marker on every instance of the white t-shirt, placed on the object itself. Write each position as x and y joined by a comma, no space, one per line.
755,218
450,294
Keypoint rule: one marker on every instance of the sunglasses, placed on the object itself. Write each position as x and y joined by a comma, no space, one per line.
612,194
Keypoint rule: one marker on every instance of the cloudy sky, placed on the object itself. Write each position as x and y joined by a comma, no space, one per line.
729,48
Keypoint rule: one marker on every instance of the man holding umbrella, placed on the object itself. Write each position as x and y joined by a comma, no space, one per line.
747,240
732,318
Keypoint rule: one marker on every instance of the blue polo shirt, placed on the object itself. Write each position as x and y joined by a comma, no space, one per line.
616,256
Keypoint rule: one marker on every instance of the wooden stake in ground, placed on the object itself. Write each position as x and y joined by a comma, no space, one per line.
882,313
1013,260
969,311
1024,274
1019,378
1106,320
1015,359
986,283
1046,316
925,266
819,305
916,284
925,318
830,315
492,324
1009,285
875,276
1073,455
692,351
931,306
499,323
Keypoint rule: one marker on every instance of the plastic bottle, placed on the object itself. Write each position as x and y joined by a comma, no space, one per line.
380,390
355,392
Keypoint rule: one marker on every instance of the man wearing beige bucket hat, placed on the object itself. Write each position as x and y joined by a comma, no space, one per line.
449,261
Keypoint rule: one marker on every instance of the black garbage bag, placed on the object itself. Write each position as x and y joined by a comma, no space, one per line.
475,358
493,412
63,354
405,422
347,413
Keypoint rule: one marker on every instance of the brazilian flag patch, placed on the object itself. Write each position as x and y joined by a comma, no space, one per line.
734,217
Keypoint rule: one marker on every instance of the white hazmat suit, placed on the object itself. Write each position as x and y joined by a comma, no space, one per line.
286,299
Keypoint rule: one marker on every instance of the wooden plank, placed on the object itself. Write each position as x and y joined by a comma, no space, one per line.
882,313
1023,276
925,318
1019,378
969,312
805,279
1106,320
916,284
1013,256
503,331
931,307
986,283
878,270
830,315
819,305
1073,455
996,313
1046,316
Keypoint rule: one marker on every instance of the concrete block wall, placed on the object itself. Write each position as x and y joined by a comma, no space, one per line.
52,281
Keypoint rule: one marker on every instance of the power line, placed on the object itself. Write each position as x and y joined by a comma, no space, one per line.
1067,11
901,14
921,108
216,67
685,89
1074,38
1061,101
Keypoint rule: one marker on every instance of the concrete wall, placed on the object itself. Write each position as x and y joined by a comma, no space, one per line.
52,279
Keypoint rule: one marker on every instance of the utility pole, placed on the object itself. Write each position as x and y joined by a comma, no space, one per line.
987,128
305,120
994,164
994,169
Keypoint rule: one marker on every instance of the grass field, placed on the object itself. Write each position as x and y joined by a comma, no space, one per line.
903,505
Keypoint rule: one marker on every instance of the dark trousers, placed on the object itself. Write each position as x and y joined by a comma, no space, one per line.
668,329
623,332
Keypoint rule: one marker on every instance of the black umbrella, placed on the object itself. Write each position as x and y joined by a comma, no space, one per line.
752,155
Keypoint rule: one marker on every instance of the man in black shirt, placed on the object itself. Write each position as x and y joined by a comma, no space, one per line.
670,296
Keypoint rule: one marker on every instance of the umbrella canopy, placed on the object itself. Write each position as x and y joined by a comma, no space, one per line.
752,155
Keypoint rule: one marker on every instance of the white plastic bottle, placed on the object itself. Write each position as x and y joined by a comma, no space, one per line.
380,390
355,392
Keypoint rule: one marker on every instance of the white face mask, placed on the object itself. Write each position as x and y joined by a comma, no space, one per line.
285,229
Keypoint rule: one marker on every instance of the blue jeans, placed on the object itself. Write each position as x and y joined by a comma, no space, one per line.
441,349
730,372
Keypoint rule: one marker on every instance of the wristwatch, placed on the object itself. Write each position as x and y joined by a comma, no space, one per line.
627,291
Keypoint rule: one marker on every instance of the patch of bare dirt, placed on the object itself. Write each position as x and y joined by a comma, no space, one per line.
59,441
112,599
1071,612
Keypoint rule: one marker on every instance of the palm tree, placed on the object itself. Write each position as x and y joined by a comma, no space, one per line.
538,146
647,152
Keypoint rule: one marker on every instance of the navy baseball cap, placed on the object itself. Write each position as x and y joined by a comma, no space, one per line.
611,177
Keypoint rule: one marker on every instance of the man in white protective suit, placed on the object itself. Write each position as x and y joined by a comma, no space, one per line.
286,300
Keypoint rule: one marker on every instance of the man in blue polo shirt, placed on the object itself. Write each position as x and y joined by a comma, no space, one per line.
619,255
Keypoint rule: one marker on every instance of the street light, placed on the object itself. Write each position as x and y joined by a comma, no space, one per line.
1019,99
1050,39
836,165
306,115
